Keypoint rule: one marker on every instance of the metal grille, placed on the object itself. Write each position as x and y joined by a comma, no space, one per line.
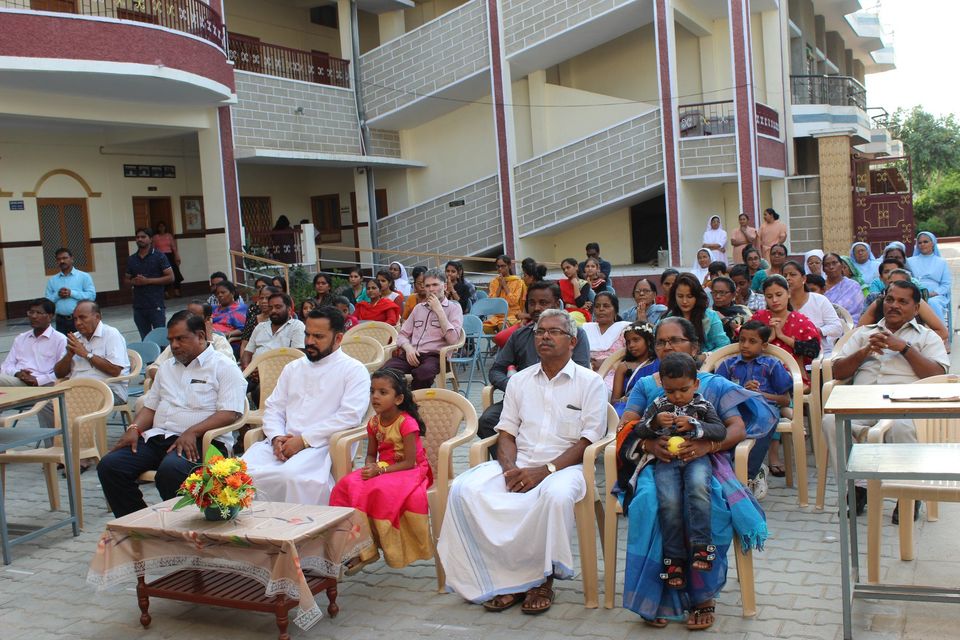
75,232
50,233
63,223
255,214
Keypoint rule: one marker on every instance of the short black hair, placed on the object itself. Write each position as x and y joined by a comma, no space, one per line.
593,246
63,250
724,280
333,315
907,284
341,300
762,329
207,309
194,322
417,270
815,279
614,300
287,301
545,285
678,365
229,286
324,276
716,267
896,261
146,230
48,307
219,274
741,269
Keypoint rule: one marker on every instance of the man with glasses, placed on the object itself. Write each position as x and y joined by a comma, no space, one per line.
509,522
34,354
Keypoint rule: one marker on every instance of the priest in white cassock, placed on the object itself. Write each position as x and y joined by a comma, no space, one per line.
315,397
508,525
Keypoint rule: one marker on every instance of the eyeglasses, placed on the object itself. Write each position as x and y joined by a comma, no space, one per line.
553,333
673,342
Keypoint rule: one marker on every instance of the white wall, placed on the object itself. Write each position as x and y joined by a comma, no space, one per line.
281,23
611,231
625,67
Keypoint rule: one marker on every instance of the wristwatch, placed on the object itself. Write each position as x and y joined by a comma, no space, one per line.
552,468
903,351
89,355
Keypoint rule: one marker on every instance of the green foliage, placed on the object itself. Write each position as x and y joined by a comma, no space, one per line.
937,208
932,142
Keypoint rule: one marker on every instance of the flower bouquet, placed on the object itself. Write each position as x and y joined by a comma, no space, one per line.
220,487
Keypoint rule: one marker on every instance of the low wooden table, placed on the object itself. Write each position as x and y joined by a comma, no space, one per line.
272,558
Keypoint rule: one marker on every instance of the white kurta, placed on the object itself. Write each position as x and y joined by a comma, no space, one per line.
493,541
314,400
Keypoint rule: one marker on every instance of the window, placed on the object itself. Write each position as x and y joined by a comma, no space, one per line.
326,217
63,222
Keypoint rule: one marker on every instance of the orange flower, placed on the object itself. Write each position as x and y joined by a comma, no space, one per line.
234,481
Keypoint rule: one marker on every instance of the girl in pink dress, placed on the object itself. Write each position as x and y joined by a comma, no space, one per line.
391,488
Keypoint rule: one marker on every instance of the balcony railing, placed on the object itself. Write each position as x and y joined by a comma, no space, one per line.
839,91
249,54
717,118
189,16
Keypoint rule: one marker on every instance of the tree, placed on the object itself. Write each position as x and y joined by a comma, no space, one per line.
937,207
932,142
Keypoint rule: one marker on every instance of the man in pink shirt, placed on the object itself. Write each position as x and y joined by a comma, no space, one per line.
34,353
431,326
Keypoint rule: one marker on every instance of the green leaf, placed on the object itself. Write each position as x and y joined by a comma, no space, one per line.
184,501
211,451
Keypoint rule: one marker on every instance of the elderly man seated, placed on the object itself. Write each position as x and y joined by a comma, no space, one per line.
97,351
197,390
509,522
34,353
315,397
896,350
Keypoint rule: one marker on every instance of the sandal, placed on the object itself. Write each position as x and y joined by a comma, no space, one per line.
503,602
703,556
544,592
675,575
656,623
777,470
698,613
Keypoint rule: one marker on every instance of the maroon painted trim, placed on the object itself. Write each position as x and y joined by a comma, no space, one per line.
500,121
745,108
670,178
36,35
21,244
771,154
231,193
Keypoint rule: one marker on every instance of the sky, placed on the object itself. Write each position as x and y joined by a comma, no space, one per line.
925,39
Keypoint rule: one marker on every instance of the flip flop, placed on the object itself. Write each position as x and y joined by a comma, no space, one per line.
542,591
656,623
503,602
777,471
696,613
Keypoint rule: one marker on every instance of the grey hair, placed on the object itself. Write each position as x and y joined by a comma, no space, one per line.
571,325
436,274
900,272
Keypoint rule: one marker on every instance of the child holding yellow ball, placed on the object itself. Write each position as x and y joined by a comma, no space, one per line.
682,484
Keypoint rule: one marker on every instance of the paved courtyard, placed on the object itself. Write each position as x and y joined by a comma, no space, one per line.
44,595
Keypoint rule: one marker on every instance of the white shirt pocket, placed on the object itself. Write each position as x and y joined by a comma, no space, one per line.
569,422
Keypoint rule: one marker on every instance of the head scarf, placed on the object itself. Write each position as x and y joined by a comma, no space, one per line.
716,236
403,282
807,255
933,239
697,270
894,245
869,269
855,274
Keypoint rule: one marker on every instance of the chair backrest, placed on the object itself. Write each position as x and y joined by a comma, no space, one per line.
481,294
611,361
490,307
472,326
827,370
785,358
382,332
443,411
158,336
935,430
149,351
136,362
718,356
845,316
270,364
364,348
85,398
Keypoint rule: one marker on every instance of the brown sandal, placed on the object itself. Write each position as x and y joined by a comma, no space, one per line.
656,623
542,591
698,613
503,601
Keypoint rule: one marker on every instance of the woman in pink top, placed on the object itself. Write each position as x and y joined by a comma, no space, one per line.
165,243
772,232
741,237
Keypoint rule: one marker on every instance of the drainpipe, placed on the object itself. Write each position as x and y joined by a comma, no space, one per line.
364,129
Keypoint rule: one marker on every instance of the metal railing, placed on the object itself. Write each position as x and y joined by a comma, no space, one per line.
839,91
250,54
248,267
879,116
283,247
707,119
188,16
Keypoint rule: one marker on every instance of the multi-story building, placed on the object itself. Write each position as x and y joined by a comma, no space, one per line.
471,127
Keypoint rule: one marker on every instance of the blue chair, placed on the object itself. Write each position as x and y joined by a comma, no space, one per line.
481,294
158,336
490,307
473,332
149,352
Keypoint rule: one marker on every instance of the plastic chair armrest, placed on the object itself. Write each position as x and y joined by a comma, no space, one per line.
479,450
445,458
212,434
342,460
486,397
252,437
878,431
9,421
741,454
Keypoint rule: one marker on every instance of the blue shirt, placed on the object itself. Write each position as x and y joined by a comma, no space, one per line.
148,296
767,370
81,288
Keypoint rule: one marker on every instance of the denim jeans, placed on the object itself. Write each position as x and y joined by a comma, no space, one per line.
683,494
148,319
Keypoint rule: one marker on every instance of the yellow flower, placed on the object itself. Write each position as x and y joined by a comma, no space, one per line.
193,477
229,497
221,468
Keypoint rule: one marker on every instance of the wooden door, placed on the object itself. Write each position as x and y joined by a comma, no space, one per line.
147,212
326,217
60,6
883,202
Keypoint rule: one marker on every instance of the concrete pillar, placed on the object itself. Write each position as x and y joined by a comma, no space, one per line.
501,89
836,201
362,199
537,84
346,35
745,108
666,48
392,25
221,200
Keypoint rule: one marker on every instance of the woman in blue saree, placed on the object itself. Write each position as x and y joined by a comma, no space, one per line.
933,272
746,415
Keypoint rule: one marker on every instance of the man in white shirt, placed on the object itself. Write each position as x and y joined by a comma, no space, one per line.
194,392
509,522
281,331
96,350
34,354
315,397
896,350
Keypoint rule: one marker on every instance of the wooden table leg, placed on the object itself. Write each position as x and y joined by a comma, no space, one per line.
144,601
333,609
283,619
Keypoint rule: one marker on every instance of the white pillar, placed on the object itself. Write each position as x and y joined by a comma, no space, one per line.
214,196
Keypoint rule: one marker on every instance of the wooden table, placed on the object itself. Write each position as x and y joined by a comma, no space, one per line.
16,398
888,461
272,558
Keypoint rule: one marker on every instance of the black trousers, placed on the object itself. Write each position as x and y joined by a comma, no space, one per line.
65,324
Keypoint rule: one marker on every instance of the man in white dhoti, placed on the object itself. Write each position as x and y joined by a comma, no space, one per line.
315,397
507,530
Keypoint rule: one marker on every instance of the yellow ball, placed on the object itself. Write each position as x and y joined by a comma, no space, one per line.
673,444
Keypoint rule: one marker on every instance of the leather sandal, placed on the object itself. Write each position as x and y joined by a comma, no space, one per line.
698,612
674,574
503,602
542,591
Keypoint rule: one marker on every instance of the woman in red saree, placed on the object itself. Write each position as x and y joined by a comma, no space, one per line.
575,292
